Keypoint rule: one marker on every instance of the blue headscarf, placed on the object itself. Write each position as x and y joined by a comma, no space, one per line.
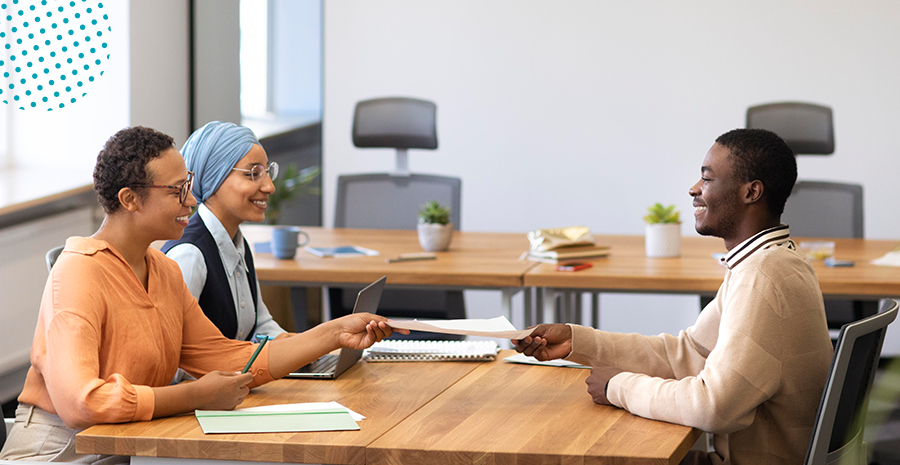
212,151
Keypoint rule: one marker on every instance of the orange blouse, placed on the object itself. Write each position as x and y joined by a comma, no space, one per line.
102,341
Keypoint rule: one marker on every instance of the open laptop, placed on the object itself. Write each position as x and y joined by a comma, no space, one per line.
330,366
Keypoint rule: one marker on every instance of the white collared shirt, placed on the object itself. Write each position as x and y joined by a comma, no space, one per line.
193,270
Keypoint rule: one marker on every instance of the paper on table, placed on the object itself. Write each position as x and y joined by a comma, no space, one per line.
891,258
303,407
494,327
522,358
236,421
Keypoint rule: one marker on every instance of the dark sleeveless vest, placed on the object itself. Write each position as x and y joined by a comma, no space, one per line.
215,299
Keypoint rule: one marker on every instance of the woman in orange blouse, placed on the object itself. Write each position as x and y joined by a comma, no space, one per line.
117,320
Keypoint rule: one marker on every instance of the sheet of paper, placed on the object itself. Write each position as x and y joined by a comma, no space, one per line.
234,421
304,407
522,358
494,327
891,258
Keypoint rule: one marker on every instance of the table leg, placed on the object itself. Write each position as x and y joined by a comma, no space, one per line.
529,320
548,309
298,306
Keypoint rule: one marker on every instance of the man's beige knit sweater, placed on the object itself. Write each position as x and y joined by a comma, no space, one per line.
751,370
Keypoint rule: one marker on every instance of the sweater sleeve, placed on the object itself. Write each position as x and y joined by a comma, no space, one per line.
662,356
741,372
205,349
71,365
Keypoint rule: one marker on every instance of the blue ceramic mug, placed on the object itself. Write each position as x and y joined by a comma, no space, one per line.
285,241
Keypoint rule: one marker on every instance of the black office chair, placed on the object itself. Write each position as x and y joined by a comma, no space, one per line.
392,200
837,436
52,255
817,208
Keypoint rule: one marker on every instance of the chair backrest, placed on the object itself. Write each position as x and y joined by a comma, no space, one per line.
382,201
825,209
840,422
52,255
807,128
395,122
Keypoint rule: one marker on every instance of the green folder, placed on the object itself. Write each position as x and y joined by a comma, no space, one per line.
235,421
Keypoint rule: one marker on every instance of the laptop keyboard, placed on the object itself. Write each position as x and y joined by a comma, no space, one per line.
325,364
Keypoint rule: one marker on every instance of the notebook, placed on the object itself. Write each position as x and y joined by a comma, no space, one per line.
344,251
431,351
330,366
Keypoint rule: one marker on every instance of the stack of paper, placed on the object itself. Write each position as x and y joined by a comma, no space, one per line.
569,254
522,358
428,351
286,418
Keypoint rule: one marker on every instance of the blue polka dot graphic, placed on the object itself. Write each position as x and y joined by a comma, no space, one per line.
51,51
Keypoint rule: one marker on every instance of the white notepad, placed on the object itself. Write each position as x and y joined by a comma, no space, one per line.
427,351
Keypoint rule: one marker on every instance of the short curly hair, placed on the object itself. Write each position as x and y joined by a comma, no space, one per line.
758,154
123,163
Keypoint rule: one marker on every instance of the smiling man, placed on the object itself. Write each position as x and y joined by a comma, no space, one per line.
751,370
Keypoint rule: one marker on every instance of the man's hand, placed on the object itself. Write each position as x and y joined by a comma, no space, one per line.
546,342
361,330
597,382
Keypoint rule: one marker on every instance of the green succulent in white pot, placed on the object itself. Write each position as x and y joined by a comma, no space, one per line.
435,228
663,231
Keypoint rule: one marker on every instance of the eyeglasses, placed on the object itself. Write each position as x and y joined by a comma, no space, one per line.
257,171
185,187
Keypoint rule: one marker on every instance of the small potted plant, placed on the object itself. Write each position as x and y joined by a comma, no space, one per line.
663,238
435,228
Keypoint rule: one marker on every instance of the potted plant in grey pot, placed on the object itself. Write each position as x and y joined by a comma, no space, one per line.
663,232
435,228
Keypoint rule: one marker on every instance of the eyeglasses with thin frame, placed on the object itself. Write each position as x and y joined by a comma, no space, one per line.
184,187
257,171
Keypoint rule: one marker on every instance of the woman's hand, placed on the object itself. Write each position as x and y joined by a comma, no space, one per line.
221,390
361,330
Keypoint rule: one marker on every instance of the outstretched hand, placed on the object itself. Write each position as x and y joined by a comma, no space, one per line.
546,342
361,330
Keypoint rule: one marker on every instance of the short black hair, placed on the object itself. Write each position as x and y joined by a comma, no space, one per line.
758,154
123,163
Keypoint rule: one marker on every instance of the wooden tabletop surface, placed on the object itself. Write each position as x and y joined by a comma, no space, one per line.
441,412
475,259
385,393
511,413
628,269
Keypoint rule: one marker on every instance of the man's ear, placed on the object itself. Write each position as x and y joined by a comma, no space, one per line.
753,191
129,199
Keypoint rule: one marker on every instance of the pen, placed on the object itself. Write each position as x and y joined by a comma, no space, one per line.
412,257
255,354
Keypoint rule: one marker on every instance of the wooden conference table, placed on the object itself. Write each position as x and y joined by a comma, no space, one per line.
440,412
478,260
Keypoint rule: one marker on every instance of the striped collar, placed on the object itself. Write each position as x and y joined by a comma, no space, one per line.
776,235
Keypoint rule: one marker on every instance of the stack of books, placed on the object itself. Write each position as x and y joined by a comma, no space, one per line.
565,255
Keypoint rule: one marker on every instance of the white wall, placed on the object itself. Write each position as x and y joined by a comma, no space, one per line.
585,112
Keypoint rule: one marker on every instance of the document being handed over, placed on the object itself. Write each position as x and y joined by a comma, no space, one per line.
494,327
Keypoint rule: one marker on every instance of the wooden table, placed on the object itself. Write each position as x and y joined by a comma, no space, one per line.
510,413
627,269
476,260
386,393
442,412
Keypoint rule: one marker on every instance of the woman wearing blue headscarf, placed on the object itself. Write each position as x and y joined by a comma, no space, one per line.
233,184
